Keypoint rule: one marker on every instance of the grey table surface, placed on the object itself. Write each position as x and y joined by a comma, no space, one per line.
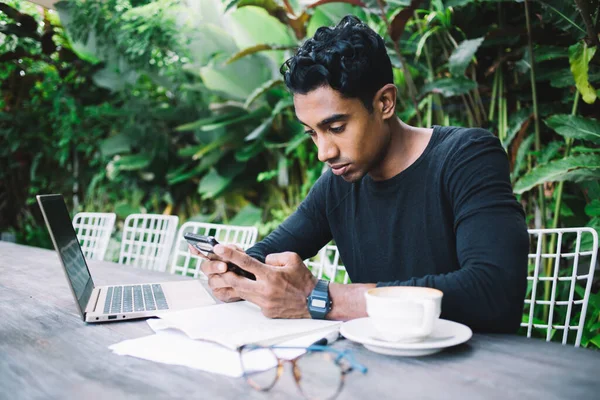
47,352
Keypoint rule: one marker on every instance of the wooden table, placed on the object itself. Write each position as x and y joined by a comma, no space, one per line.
47,352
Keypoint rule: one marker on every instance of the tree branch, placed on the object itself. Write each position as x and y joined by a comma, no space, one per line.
592,35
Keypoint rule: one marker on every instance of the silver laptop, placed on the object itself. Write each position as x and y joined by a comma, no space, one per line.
112,303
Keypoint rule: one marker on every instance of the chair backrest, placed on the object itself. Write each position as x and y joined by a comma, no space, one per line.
184,263
327,264
147,240
93,232
559,281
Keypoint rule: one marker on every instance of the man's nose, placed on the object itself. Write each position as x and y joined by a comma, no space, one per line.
327,150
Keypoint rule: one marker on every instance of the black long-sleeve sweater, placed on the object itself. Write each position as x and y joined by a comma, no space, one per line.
449,221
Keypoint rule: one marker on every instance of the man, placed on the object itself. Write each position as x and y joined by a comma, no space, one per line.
405,205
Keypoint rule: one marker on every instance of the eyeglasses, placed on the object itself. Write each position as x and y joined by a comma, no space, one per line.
319,373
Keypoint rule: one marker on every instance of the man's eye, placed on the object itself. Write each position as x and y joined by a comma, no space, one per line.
310,133
337,129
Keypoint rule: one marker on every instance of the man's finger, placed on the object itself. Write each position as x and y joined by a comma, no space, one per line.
226,294
196,252
244,287
213,267
218,281
281,259
241,259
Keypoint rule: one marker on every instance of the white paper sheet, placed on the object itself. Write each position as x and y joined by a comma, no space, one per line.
240,323
170,346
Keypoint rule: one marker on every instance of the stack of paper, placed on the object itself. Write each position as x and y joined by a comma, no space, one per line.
207,338
236,324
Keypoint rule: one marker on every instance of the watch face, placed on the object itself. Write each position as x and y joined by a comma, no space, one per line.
318,303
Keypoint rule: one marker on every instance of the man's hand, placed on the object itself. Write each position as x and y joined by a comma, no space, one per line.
213,267
281,287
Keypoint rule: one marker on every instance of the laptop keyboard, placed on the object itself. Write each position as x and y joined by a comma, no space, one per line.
130,298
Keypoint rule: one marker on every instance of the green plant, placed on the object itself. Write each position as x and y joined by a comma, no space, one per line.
176,106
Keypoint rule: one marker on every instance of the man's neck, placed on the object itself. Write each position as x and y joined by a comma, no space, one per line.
407,143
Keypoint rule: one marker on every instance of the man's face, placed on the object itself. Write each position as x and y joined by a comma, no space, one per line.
350,140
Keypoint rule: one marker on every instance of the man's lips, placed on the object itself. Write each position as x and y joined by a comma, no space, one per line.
339,169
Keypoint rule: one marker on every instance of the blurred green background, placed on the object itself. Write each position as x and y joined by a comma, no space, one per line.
177,106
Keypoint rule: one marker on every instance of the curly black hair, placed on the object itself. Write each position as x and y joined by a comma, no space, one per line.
351,58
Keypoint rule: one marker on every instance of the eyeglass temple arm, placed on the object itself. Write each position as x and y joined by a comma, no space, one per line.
345,354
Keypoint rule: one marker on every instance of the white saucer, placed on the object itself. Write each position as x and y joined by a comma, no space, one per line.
445,334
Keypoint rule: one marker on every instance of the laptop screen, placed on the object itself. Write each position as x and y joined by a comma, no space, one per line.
67,246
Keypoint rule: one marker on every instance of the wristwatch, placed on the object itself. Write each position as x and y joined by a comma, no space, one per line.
318,302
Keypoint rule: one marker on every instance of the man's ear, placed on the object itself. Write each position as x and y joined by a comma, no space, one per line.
385,100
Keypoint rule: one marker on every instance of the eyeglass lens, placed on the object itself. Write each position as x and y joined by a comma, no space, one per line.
317,374
320,377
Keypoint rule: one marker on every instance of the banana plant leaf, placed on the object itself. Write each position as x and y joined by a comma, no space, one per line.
575,168
575,127
461,56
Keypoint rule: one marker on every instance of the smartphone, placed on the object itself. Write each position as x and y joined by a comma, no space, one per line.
206,244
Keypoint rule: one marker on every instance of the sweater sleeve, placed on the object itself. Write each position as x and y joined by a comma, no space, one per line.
304,232
488,291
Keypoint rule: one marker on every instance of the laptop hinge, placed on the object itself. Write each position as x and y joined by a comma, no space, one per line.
93,301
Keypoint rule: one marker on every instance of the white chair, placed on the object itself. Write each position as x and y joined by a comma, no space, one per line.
93,232
559,271
184,263
147,240
328,265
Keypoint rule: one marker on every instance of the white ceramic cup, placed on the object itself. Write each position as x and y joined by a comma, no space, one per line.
403,313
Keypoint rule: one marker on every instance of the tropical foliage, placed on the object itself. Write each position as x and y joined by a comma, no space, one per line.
176,106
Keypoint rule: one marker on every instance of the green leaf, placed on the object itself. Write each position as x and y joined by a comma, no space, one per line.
583,149
262,89
215,144
331,14
213,184
249,151
593,301
248,216
575,168
593,208
522,152
562,77
266,175
549,151
515,124
260,130
239,79
283,176
462,56
207,40
261,112
132,162
595,327
563,15
116,75
282,105
207,161
124,209
256,49
587,242
120,143
449,87
576,127
579,58
253,26
296,141
460,3
546,53
207,121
